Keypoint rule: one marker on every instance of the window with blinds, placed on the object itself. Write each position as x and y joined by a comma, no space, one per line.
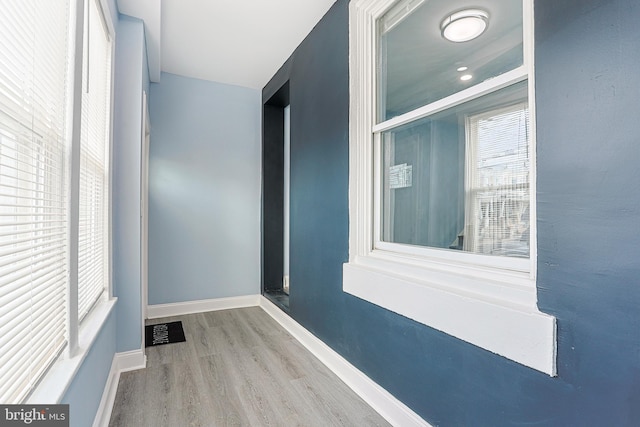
38,169
33,190
94,154
497,187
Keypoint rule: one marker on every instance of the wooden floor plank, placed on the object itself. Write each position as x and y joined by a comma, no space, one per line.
236,368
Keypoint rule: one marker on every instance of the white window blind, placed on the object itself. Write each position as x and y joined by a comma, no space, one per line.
33,190
94,155
497,186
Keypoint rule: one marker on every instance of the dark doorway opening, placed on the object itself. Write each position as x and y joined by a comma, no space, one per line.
275,275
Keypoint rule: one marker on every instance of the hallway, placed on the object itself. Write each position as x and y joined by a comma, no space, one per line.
237,367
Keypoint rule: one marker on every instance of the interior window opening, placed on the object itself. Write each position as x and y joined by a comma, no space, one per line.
459,179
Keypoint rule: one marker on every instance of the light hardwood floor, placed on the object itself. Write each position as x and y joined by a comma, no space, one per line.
237,368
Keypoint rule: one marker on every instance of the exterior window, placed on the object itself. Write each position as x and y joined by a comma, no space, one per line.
54,157
95,132
33,192
442,171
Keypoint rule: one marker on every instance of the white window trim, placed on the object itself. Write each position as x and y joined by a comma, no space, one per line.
491,305
61,374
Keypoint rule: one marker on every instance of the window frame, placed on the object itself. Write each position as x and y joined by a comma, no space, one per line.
81,333
489,301
87,305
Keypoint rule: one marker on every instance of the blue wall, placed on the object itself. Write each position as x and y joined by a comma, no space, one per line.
204,190
588,169
85,392
129,84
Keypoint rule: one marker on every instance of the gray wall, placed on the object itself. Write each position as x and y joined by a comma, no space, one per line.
204,190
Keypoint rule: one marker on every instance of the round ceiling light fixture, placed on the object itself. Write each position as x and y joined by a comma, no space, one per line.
464,25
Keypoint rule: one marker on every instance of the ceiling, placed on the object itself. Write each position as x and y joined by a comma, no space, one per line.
228,41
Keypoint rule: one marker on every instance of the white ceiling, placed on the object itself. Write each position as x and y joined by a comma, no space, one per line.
228,41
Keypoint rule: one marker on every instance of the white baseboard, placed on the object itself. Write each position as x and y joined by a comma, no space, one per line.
122,362
189,307
130,360
383,402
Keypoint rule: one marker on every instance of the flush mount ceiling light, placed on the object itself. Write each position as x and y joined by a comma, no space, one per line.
464,25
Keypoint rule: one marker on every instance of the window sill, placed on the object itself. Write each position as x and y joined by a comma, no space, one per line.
55,383
499,316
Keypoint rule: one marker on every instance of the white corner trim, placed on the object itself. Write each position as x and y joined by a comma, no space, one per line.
122,362
130,360
383,402
201,306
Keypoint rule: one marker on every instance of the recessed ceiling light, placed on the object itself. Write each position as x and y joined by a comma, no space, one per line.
464,25
466,77
462,68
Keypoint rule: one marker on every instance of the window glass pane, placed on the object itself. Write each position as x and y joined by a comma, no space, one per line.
497,183
459,179
417,65
94,149
33,191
